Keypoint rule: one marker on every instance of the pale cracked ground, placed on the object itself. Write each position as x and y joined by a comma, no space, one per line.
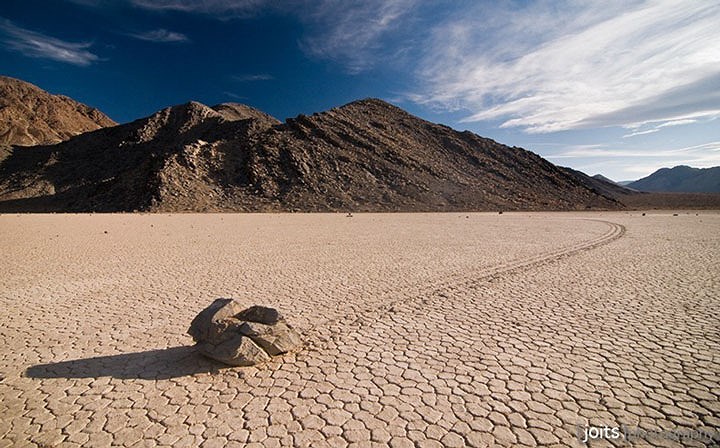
423,329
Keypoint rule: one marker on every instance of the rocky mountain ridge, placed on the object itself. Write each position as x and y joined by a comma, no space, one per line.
31,116
365,156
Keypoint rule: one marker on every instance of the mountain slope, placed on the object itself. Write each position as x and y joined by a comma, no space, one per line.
681,179
372,155
600,184
237,111
604,179
31,116
365,156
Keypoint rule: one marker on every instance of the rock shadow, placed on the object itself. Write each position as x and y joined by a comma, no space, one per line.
149,365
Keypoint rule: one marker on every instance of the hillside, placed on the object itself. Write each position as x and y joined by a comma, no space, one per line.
604,179
681,179
600,184
365,156
31,116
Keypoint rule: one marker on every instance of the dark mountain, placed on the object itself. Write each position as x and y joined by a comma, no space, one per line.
681,179
32,116
365,156
600,184
604,179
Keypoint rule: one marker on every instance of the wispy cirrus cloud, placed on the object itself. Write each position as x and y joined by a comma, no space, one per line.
659,127
701,155
234,95
37,45
253,77
601,150
683,122
353,32
552,67
645,132
350,32
223,8
160,35
629,163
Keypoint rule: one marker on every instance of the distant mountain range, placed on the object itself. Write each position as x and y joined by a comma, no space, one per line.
367,155
680,179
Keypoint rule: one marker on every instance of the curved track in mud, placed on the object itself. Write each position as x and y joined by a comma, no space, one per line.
440,287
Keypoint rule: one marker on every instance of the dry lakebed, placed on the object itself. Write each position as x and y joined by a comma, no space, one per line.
421,330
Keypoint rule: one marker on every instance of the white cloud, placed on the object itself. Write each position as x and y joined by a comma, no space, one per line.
36,45
666,124
227,8
552,67
637,162
677,123
234,95
161,35
702,151
350,32
253,77
636,133
353,32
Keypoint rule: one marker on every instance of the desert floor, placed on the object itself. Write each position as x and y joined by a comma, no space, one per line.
422,330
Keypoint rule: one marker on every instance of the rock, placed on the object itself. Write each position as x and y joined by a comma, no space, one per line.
260,314
274,339
235,351
238,336
220,309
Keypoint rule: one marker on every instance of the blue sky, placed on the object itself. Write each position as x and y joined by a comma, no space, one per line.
620,88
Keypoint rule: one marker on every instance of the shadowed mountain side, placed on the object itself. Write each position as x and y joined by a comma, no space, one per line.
365,156
148,365
115,169
603,178
600,184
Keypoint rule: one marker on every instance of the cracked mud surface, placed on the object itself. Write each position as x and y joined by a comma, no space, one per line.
423,329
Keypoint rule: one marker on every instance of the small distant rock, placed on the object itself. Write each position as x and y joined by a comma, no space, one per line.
232,334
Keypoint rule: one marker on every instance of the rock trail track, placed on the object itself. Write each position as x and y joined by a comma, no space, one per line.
441,286
434,330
